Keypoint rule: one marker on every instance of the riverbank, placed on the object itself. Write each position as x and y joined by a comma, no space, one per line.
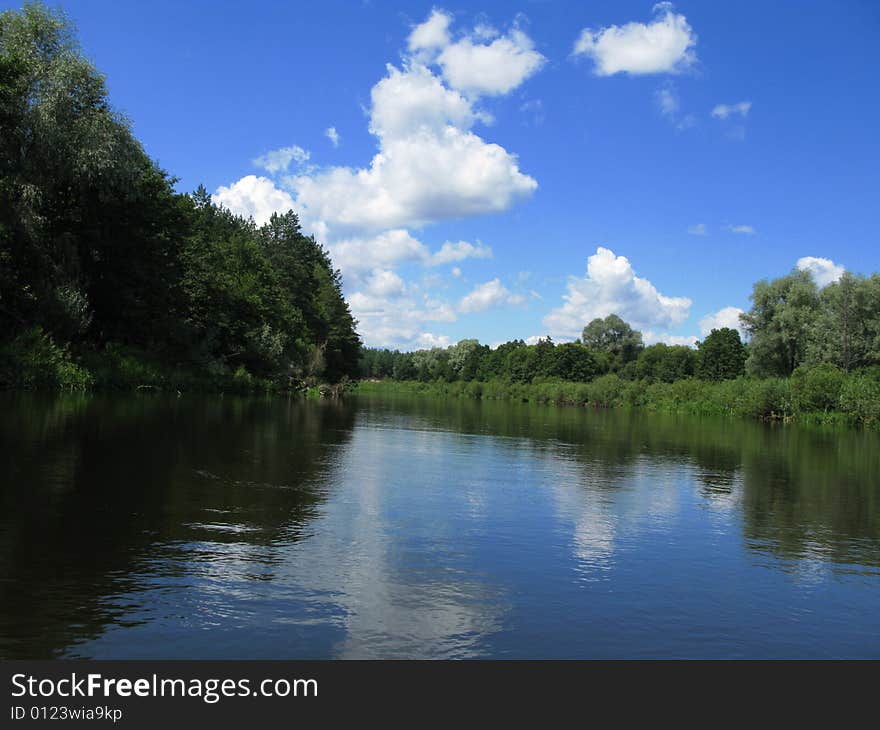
38,363
818,398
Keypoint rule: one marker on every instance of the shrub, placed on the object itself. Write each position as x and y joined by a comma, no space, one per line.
817,388
767,399
33,360
860,396
605,390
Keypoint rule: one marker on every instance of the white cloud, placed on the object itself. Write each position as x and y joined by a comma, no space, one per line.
397,246
429,166
417,180
824,271
482,62
726,317
407,101
431,35
490,68
456,272
662,46
612,287
332,135
669,105
396,315
452,252
650,337
742,230
534,108
280,159
384,283
387,249
723,111
254,197
485,296
667,101
698,229
427,341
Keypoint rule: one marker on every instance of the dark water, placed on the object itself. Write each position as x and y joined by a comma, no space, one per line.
146,526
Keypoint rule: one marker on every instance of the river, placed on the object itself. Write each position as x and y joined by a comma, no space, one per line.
153,526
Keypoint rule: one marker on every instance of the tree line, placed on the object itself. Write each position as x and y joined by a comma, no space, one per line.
809,352
607,345
108,274
792,324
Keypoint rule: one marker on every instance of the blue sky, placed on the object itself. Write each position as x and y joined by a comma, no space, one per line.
507,170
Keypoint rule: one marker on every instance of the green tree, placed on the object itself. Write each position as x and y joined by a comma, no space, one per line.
575,361
665,363
722,355
779,322
847,328
494,363
464,359
615,338
89,226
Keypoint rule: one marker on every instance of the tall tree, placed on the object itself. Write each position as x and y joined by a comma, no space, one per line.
87,222
847,328
614,337
722,355
778,323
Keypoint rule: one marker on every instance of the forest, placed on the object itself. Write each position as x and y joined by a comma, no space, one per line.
109,277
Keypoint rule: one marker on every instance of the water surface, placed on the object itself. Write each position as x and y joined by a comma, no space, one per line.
145,526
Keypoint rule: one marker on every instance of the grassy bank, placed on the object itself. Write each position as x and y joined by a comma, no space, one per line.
820,396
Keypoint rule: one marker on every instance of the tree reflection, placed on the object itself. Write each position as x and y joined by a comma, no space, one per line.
96,492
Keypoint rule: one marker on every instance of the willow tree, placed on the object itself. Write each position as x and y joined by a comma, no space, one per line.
779,322
89,226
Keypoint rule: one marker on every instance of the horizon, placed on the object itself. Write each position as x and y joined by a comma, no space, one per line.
661,160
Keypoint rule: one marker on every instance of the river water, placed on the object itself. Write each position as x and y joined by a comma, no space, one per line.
148,526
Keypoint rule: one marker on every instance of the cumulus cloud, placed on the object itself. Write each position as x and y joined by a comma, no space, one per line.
254,197
698,229
482,62
280,159
491,68
413,99
398,246
723,111
665,45
742,230
387,249
393,314
332,135
650,337
726,317
430,165
824,271
384,283
485,296
611,286
459,251
431,35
